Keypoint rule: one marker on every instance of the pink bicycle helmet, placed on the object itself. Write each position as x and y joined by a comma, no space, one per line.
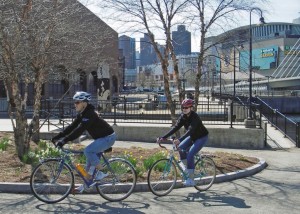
187,103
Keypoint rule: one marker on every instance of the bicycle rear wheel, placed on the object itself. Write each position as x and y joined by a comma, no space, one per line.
120,182
51,181
205,173
162,177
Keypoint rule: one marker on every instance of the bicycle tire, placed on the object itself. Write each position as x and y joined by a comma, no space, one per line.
51,181
205,173
120,182
162,177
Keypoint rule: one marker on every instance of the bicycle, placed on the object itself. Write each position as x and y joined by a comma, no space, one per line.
162,175
52,180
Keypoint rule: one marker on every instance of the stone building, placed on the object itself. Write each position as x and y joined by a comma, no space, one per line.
83,54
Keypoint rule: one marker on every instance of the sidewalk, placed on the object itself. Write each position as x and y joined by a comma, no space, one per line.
275,141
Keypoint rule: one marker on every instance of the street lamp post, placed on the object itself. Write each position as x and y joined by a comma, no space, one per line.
220,83
250,58
220,71
268,86
234,72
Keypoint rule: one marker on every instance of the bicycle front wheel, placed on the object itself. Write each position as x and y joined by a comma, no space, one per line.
205,173
120,182
162,177
51,181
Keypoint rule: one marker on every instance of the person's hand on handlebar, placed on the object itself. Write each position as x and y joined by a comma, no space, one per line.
160,139
60,143
176,142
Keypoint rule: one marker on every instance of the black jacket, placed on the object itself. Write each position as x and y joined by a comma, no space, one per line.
87,120
192,124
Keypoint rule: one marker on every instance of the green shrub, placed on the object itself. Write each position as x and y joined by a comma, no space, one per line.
30,158
150,160
43,144
81,159
4,143
130,158
41,152
140,170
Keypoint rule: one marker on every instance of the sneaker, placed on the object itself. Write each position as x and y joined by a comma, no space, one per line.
80,189
100,175
189,182
85,187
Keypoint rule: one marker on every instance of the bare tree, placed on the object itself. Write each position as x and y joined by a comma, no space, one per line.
209,15
156,18
38,39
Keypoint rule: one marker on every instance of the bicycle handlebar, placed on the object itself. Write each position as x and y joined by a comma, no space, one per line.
160,140
65,150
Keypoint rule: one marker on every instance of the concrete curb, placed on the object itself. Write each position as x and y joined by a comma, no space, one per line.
7,187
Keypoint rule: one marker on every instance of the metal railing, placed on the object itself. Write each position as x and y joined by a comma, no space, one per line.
121,111
288,127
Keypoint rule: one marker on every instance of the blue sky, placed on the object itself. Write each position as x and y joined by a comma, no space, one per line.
283,10
275,11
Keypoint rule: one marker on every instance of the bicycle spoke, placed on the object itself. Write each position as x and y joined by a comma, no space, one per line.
162,177
120,182
51,184
205,173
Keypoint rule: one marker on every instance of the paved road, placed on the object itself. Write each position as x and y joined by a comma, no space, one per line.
274,190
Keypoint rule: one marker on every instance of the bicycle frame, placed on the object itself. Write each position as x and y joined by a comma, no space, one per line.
172,158
52,180
66,159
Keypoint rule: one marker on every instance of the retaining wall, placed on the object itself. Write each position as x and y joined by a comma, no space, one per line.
224,137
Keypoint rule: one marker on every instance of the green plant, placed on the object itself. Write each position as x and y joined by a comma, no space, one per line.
30,158
81,159
140,170
42,144
41,152
4,143
150,160
130,158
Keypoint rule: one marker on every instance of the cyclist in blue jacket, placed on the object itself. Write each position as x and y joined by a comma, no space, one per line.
88,120
192,141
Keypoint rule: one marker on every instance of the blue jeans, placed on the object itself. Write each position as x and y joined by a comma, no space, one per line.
98,145
190,149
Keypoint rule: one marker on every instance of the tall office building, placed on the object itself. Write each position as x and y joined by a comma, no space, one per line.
147,52
181,40
127,44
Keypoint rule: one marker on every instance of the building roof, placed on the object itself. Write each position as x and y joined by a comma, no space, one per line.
242,76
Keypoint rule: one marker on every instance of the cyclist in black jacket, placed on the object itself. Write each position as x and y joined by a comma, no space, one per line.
193,140
88,120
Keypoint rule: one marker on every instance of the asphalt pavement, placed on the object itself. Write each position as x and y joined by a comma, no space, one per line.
274,190
272,186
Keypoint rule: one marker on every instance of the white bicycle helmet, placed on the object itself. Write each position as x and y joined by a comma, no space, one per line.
82,96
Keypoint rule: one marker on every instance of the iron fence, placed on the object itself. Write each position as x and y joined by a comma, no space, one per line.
122,111
287,126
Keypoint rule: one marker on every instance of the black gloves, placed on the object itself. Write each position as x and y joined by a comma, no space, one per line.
60,143
55,138
58,140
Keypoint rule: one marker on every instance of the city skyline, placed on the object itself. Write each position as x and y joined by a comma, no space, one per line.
275,11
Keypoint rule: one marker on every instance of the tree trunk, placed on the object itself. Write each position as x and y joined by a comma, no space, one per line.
35,123
21,139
